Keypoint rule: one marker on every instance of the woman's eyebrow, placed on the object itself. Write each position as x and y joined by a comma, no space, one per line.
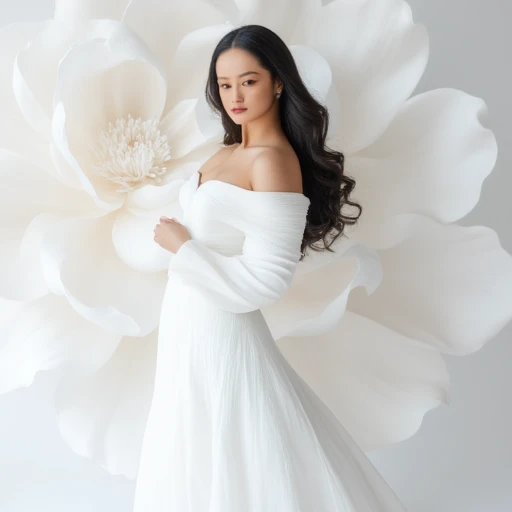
239,76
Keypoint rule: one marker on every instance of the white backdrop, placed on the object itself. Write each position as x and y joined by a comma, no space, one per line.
461,459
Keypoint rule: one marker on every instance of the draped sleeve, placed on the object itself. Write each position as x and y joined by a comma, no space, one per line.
273,229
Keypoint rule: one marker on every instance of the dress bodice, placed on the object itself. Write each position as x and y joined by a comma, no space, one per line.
201,217
214,212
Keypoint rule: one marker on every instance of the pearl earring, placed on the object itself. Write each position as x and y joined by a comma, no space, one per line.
278,94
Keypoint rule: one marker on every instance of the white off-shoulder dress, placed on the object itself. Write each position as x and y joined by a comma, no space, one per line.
232,427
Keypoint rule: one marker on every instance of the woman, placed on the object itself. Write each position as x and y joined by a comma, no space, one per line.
232,427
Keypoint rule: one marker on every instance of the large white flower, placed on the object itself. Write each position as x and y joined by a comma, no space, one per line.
104,118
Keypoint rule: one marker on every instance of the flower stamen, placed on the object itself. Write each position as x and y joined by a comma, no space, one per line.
132,153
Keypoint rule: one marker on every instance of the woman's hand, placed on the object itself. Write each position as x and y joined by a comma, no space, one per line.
171,234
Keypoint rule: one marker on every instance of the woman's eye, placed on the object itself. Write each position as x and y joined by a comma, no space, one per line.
228,86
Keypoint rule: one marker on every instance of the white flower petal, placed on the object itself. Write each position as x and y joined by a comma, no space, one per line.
209,123
229,8
30,202
46,334
28,189
32,110
377,56
36,68
432,160
317,76
80,263
37,63
282,17
22,275
181,129
151,19
316,300
189,68
314,71
103,416
100,81
15,133
448,286
378,383
149,198
76,11
133,239
70,170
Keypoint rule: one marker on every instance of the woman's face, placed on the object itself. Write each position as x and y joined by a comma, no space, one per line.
244,84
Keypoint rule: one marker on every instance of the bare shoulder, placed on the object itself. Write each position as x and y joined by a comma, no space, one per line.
218,158
277,170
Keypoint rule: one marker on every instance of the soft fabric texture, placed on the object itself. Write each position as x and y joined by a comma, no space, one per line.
232,427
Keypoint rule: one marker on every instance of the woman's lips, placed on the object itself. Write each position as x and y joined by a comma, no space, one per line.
238,110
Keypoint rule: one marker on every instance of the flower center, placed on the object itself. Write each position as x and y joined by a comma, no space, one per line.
132,153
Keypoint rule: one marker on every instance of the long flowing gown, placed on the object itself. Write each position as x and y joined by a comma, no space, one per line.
232,426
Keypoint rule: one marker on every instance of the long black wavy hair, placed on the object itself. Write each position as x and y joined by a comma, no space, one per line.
305,122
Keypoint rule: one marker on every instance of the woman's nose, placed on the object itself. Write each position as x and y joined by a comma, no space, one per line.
237,94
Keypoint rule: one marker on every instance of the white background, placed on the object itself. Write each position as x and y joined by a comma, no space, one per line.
461,458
